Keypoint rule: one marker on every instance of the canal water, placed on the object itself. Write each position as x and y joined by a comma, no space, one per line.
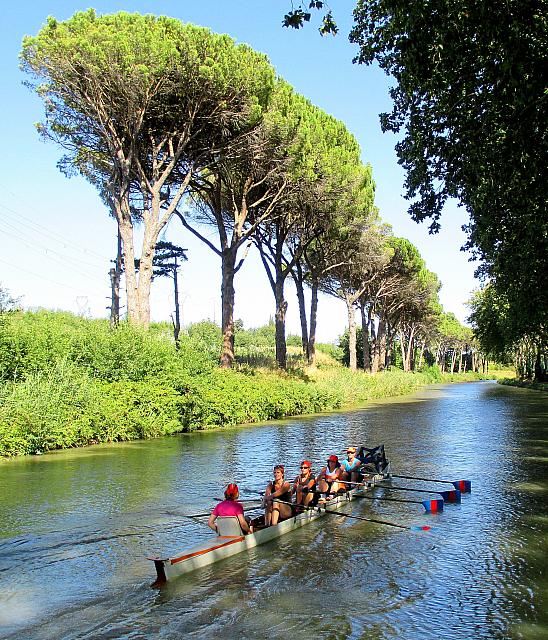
77,526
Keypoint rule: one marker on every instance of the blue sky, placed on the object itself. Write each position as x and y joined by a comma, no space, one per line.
56,239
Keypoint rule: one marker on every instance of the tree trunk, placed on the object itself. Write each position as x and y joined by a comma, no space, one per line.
365,339
538,369
228,263
375,348
115,276
298,279
126,233
311,356
177,322
403,351
281,309
145,274
381,338
453,360
421,355
411,350
351,335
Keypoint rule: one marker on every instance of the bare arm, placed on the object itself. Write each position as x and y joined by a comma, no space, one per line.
211,522
243,523
285,487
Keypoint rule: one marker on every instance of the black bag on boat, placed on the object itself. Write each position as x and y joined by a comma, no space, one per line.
372,459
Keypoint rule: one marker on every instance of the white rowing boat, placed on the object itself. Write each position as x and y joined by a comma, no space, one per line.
224,546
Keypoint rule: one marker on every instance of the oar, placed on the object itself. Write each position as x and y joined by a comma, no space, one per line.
431,506
448,496
390,524
464,486
348,515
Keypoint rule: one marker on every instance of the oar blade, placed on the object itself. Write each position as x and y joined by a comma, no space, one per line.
464,486
417,527
451,496
433,506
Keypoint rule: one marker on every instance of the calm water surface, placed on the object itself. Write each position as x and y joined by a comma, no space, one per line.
76,527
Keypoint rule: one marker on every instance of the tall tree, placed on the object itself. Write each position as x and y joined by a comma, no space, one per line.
324,169
361,256
167,261
237,193
470,99
139,104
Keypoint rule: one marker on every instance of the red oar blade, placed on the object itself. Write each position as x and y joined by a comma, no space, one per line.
417,527
433,506
450,496
464,486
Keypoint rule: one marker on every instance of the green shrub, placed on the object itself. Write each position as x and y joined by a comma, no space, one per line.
432,373
66,381
66,408
229,397
34,342
331,350
207,336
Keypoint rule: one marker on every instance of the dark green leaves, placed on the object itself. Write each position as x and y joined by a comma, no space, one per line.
297,17
471,106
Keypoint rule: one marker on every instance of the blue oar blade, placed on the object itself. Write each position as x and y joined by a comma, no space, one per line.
450,496
464,486
418,527
433,506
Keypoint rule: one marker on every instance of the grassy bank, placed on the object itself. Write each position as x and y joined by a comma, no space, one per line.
69,382
525,384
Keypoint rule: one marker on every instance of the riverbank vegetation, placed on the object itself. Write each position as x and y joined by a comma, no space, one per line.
67,381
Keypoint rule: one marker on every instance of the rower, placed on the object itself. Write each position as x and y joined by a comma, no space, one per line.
228,516
350,467
277,498
328,478
303,486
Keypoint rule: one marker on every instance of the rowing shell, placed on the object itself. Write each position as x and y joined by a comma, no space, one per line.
221,547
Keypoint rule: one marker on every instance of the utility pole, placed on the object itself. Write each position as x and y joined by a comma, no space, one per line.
115,276
177,323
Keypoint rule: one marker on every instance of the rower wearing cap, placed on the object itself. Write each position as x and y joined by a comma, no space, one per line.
277,498
329,476
350,467
230,507
303,486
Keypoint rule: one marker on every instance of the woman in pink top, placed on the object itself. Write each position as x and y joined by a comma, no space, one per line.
230,507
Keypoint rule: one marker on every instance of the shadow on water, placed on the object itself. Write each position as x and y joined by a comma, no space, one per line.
76,527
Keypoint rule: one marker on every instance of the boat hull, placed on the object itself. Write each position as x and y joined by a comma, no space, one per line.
220,547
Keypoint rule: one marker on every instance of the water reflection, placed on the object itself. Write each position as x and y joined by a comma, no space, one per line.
76,527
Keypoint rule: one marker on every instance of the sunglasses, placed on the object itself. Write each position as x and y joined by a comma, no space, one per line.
305,467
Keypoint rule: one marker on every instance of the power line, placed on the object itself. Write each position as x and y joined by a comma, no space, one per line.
41,277
50,253
51,234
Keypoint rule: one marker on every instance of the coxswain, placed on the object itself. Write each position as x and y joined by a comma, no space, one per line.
230,507
303,486
351,468
277,498
328,478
